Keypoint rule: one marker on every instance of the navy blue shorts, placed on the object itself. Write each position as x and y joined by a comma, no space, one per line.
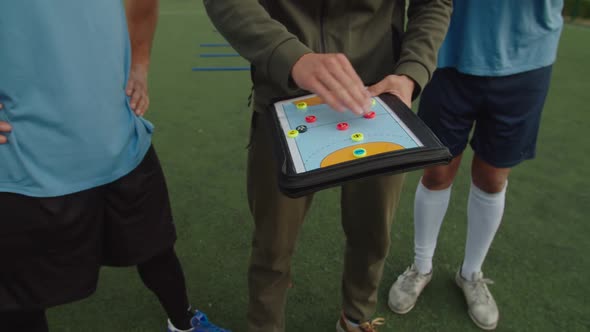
503,112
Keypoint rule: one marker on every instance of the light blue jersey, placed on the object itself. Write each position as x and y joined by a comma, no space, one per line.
63,69
502,37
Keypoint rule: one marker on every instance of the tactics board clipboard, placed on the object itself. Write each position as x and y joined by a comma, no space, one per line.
318,148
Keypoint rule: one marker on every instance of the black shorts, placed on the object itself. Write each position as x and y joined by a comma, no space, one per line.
51,249
504,113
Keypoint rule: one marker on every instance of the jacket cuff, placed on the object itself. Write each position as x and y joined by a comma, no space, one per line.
282,60
417,72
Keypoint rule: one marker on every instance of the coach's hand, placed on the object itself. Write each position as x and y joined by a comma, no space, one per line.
398,85
334,80
137,89
4,128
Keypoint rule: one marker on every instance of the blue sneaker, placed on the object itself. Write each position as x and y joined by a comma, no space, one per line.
199,323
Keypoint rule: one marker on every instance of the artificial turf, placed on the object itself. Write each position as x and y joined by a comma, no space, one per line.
539,260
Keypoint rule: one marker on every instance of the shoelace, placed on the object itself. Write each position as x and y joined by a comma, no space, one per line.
410,278
480,290
371,326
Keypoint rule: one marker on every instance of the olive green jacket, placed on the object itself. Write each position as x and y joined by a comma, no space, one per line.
274,34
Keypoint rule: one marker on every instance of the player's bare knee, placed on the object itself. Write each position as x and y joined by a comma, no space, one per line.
437,179
490,184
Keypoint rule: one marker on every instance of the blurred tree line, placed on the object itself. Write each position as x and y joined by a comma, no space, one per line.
574,9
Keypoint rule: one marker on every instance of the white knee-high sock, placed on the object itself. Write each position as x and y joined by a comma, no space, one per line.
430,207
484,214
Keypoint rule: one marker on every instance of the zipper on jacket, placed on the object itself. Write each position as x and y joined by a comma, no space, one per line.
323,11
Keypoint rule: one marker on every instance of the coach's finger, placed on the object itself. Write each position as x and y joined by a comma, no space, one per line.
358,90
353,88
331,77
338,91
327,96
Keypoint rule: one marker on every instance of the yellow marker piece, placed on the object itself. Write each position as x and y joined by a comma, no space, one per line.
302,105
357,137
373,102
359,153
293,133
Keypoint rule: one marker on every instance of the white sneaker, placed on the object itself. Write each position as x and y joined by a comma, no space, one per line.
404,292
482,306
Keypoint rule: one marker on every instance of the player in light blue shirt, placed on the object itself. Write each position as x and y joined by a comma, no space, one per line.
80,184
489,90
501,38
64,97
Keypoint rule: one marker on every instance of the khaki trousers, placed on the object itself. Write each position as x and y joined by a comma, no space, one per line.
368,207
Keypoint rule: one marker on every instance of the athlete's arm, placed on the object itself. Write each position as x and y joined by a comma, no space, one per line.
278,54
428,21
4,128
142,18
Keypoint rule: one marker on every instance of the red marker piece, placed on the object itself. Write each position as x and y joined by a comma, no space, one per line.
310,119
370,115
342,126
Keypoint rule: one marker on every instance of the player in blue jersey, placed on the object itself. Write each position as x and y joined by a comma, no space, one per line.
493,76
80,185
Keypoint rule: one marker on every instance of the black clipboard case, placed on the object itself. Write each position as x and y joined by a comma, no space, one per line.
295,184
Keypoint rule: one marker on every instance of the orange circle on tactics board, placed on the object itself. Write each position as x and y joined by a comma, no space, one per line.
346,154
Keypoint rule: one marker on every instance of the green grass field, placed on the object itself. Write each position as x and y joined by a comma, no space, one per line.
539,260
